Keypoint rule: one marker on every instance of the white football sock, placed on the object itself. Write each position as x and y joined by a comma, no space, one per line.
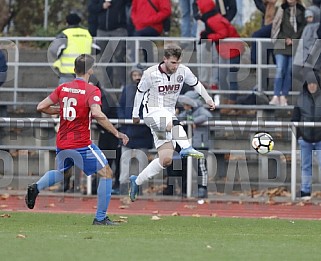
179,135
149,172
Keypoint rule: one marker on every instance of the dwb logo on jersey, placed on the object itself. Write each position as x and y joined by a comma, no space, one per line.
168,89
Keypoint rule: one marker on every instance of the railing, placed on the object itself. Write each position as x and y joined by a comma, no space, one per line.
12,45
252,126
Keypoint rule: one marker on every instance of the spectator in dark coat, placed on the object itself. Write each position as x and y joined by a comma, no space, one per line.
268,9
287,27
306,43
308,109
134,155
3,77
112,22
108,143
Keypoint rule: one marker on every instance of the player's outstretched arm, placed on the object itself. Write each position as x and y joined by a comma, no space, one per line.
199,88
47,106
102,119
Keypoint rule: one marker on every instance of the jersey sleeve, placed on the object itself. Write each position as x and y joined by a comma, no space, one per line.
144,83
54,96
94,97
190,78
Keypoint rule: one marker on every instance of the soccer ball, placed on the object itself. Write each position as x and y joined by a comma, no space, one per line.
262,142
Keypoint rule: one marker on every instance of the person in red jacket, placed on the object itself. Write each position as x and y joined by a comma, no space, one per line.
218,28
148,17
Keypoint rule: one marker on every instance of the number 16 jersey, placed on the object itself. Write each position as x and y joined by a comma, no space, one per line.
75,99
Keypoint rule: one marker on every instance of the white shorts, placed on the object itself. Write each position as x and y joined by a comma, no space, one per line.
157,121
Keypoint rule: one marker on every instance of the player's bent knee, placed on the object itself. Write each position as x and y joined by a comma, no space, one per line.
167,162
105,172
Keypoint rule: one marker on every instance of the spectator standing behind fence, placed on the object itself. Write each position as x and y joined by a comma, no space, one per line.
134,154
159,89
195,112
71,42
107,142
268,9
307,41
92,21
3,77
218,28
148,17
287,27
111,23
188,23
208,75
78,102
308,109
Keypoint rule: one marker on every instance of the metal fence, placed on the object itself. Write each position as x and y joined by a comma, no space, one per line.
12,46
251,127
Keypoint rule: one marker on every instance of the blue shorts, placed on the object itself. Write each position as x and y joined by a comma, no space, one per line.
90,159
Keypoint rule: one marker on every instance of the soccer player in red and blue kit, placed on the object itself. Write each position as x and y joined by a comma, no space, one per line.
78,102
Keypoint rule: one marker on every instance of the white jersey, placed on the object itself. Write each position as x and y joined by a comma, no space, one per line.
158,90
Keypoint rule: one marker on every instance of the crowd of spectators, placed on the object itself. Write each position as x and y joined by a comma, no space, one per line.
292,26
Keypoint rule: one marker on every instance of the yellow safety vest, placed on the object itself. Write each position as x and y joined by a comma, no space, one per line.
79,41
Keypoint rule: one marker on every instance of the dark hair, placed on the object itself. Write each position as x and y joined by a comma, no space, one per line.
173,50
83,63
73,19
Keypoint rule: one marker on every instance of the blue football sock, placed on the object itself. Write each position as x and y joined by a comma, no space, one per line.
50,178
103,197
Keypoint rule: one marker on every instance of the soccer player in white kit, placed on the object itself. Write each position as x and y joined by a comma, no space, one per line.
158,91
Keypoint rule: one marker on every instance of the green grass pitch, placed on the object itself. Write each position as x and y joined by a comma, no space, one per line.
59,237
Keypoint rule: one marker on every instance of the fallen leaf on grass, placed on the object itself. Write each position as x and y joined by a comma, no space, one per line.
270,202
21,236
125,201
5,216
155,218
301,204
270,217
120,221
287,204
190,206
4,196
123,217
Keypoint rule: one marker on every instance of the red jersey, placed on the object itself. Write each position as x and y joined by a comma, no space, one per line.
75,99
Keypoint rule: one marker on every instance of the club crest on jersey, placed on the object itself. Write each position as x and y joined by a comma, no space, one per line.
96,98
168,89
179,78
